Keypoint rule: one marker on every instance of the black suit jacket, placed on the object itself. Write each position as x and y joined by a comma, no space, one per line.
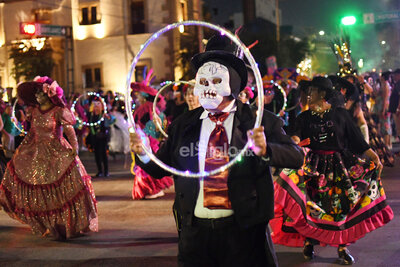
250,185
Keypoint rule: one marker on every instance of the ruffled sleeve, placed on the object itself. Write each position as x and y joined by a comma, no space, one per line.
67,120
65,117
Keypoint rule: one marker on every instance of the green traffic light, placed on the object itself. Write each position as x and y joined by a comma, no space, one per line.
348,20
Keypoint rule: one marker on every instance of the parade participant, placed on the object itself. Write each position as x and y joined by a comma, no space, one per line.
394,101
336,198
245,95
273,99
353,103
191,100
177,105
223,218
7,133
364,121
119,141
45,184
99,136
380,109
144,185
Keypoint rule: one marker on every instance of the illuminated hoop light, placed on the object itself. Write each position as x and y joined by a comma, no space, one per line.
14,119
253,64
284,95
165,85
79,120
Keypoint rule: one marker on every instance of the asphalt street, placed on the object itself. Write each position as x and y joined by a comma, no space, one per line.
143,233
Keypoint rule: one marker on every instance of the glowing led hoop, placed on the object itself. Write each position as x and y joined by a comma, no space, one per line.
79,120
14,119
166,85
253,64
283,93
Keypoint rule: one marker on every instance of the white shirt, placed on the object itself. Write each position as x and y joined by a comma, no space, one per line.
207,126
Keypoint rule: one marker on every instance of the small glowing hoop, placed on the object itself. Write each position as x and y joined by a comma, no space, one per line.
79,120
283,93
166,85
14,119
253,64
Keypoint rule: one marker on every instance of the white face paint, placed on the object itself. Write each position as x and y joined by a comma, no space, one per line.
212,84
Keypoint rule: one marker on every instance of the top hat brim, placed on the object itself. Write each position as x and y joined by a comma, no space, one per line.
350,88
227,58
396,71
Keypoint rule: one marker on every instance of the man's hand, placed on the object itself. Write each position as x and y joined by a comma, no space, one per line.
258,140
136,141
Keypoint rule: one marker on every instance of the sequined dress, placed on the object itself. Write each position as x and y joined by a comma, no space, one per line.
45,185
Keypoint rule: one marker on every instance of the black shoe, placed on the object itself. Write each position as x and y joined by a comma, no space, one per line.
308,251
345,256
106,174
99,174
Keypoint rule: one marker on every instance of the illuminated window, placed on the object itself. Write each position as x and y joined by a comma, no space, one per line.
89,13
137,17
92,76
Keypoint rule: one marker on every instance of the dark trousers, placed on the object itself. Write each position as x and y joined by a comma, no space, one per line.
226,246
100,155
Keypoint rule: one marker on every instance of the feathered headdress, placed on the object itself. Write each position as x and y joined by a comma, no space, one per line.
239,53
144,87
341,48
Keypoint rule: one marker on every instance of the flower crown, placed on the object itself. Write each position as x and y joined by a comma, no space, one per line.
52,89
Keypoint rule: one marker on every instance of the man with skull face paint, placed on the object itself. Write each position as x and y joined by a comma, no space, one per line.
222,220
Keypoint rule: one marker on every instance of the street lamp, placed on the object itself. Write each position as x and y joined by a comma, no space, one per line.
321,33
348,20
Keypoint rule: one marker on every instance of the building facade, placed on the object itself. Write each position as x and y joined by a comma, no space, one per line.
106,36
232,14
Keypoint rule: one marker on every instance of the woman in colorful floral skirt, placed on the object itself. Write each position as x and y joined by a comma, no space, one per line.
337,197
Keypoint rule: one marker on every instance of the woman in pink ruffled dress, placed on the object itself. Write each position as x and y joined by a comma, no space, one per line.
145,186
45,184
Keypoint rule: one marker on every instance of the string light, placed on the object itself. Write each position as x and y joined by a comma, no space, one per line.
253,64
304,67
79,120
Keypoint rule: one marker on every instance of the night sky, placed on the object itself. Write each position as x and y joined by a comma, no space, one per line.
324,14
311,16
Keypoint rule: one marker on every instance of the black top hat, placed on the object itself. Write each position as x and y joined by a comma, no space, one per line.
396,71
303,86
351,90
323,84
222,50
